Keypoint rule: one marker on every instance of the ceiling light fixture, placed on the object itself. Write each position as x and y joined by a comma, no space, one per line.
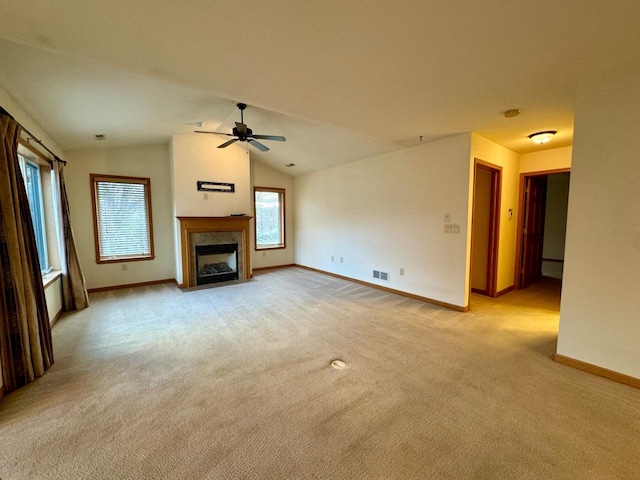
514,112
542,137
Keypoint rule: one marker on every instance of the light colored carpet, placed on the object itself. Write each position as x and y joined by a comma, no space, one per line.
235,382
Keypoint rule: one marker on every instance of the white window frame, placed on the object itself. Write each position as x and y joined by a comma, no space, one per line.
43,251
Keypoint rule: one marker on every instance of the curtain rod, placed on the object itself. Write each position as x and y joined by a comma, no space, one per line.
33,137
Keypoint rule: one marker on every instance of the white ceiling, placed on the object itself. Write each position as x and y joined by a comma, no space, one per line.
342,80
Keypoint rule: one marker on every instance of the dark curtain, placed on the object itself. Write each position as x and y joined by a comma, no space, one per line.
74,287
25,334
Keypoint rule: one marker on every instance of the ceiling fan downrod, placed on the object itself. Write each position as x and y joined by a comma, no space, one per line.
242,106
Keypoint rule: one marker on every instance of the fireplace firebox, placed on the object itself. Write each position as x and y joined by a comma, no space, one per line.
216,263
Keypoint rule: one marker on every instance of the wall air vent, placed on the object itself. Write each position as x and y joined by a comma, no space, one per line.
100,136
384,276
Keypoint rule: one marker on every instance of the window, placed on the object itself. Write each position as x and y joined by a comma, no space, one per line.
122,218
33,183
269,217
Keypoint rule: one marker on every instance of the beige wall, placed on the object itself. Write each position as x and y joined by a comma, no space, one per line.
553,159
600,301
196,157
150,161
53,296
11,106
491,152
481,229
387,213
264,176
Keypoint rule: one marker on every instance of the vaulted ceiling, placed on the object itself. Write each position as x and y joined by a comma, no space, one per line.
341,80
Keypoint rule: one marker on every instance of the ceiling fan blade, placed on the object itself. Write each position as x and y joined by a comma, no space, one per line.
258,145
242,129
277,138
226,144
215,133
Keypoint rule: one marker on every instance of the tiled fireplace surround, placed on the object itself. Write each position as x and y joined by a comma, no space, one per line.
213,231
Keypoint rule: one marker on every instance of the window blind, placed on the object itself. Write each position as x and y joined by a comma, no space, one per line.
123,220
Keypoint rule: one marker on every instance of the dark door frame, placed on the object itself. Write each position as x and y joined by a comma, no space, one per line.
494,225
519,243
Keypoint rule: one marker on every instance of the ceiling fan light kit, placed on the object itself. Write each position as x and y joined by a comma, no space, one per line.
242,133
542,137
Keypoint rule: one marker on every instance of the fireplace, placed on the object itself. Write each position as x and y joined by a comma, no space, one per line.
208,241
216,263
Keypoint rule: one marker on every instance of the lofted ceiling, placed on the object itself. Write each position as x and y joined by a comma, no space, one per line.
341,80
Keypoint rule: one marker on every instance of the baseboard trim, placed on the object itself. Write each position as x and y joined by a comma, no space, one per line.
504,290
479,292
56,318
557,260
132,285
258,269
595,370
390,290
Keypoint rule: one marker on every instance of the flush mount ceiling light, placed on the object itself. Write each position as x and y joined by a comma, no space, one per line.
542,137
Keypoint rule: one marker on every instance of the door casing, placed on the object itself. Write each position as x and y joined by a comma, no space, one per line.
494,224
520,250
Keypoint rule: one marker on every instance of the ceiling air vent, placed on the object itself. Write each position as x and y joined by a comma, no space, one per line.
100,136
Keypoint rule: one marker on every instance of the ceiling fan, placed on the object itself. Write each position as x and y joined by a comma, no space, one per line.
245,134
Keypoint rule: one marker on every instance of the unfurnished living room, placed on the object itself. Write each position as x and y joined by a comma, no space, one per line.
333,240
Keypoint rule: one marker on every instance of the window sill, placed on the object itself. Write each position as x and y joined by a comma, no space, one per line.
50,277
273,247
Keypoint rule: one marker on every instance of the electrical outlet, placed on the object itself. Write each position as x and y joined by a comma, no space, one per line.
452,228
332,258
447,218
124,267
401,270
205,196
341,260
264,254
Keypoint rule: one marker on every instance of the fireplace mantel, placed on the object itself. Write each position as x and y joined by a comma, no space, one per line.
189,225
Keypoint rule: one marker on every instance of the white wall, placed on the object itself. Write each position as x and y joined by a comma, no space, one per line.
196,157
599,321
387,212
149,161
264,176
491,152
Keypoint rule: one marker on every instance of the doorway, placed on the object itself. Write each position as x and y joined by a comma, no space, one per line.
485,227
542,221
